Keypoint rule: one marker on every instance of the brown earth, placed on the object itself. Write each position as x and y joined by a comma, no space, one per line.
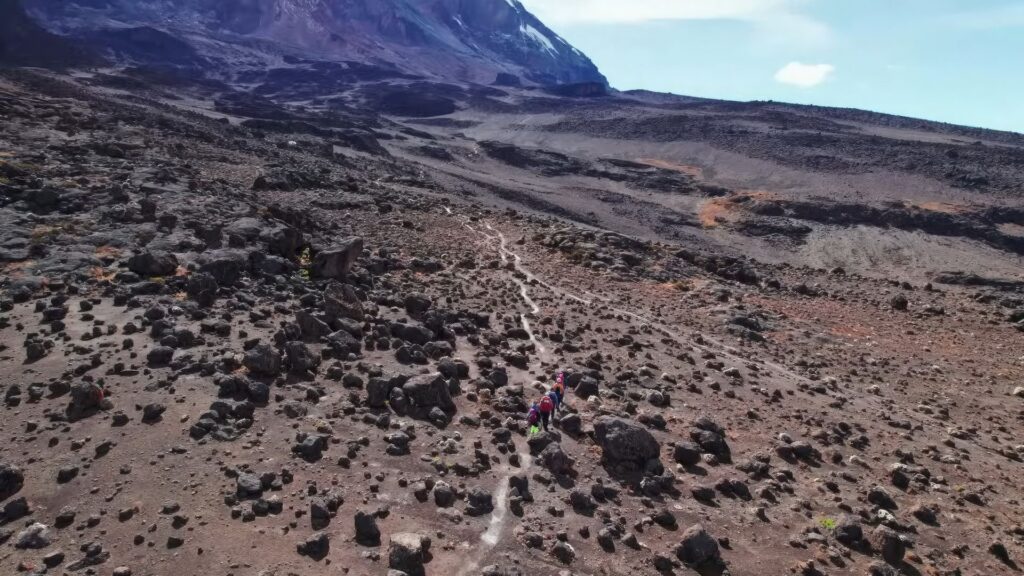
846,397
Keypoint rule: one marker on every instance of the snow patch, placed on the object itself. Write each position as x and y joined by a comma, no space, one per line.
539,38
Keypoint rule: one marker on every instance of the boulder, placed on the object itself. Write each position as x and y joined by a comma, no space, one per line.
848,531
899,302
556,460
283,241
316,546
263,360
301,360
889,544
408,552
698,548
311,327
571,424
202,287
367,532
587,387
711,439
11,479
427,391
336,261
625,441
416,304
444,495
86,397
686,453
377,392
342,301
153,263
226,266
480,502
34,537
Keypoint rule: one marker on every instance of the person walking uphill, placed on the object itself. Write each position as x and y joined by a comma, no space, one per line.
532,418
546,407
556,401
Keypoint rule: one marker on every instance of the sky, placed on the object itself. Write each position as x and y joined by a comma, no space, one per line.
958,61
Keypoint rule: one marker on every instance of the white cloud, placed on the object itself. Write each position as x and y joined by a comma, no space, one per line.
779,20
804,75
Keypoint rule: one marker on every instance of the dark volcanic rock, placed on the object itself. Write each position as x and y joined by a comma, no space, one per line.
336,261
263,360
148,264
11,480
697,547
625,441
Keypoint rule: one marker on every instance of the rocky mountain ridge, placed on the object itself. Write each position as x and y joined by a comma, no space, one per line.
472,40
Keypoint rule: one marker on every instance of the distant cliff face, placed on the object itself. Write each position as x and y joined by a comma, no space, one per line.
455,39
24,43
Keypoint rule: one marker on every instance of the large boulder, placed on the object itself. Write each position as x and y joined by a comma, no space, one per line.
342,301
226,266
283,241
263,360
408,552
587,387
153,263
711,438
888,544
427,391
11,479
556,460
367,532
342,343
686,453
698,548
624,441
311,327
36,536
301,360
202,287
86,399
336,261
316,546
377,392
417,303
848,531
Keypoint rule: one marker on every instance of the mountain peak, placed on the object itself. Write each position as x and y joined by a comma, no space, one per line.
472,40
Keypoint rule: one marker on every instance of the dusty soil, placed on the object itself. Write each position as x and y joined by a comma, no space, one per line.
204,371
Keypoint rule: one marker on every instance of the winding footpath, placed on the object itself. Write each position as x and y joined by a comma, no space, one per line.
499,517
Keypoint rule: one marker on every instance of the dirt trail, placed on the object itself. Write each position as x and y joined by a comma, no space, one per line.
499,516
719,347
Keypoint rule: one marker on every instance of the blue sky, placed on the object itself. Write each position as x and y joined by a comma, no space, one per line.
959,61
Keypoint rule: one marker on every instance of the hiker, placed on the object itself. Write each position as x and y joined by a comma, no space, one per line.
559,388
546,406
556,402
532,418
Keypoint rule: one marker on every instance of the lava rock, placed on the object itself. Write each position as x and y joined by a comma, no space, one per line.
697,547
408,552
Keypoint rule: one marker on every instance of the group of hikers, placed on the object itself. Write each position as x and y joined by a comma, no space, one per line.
544,409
